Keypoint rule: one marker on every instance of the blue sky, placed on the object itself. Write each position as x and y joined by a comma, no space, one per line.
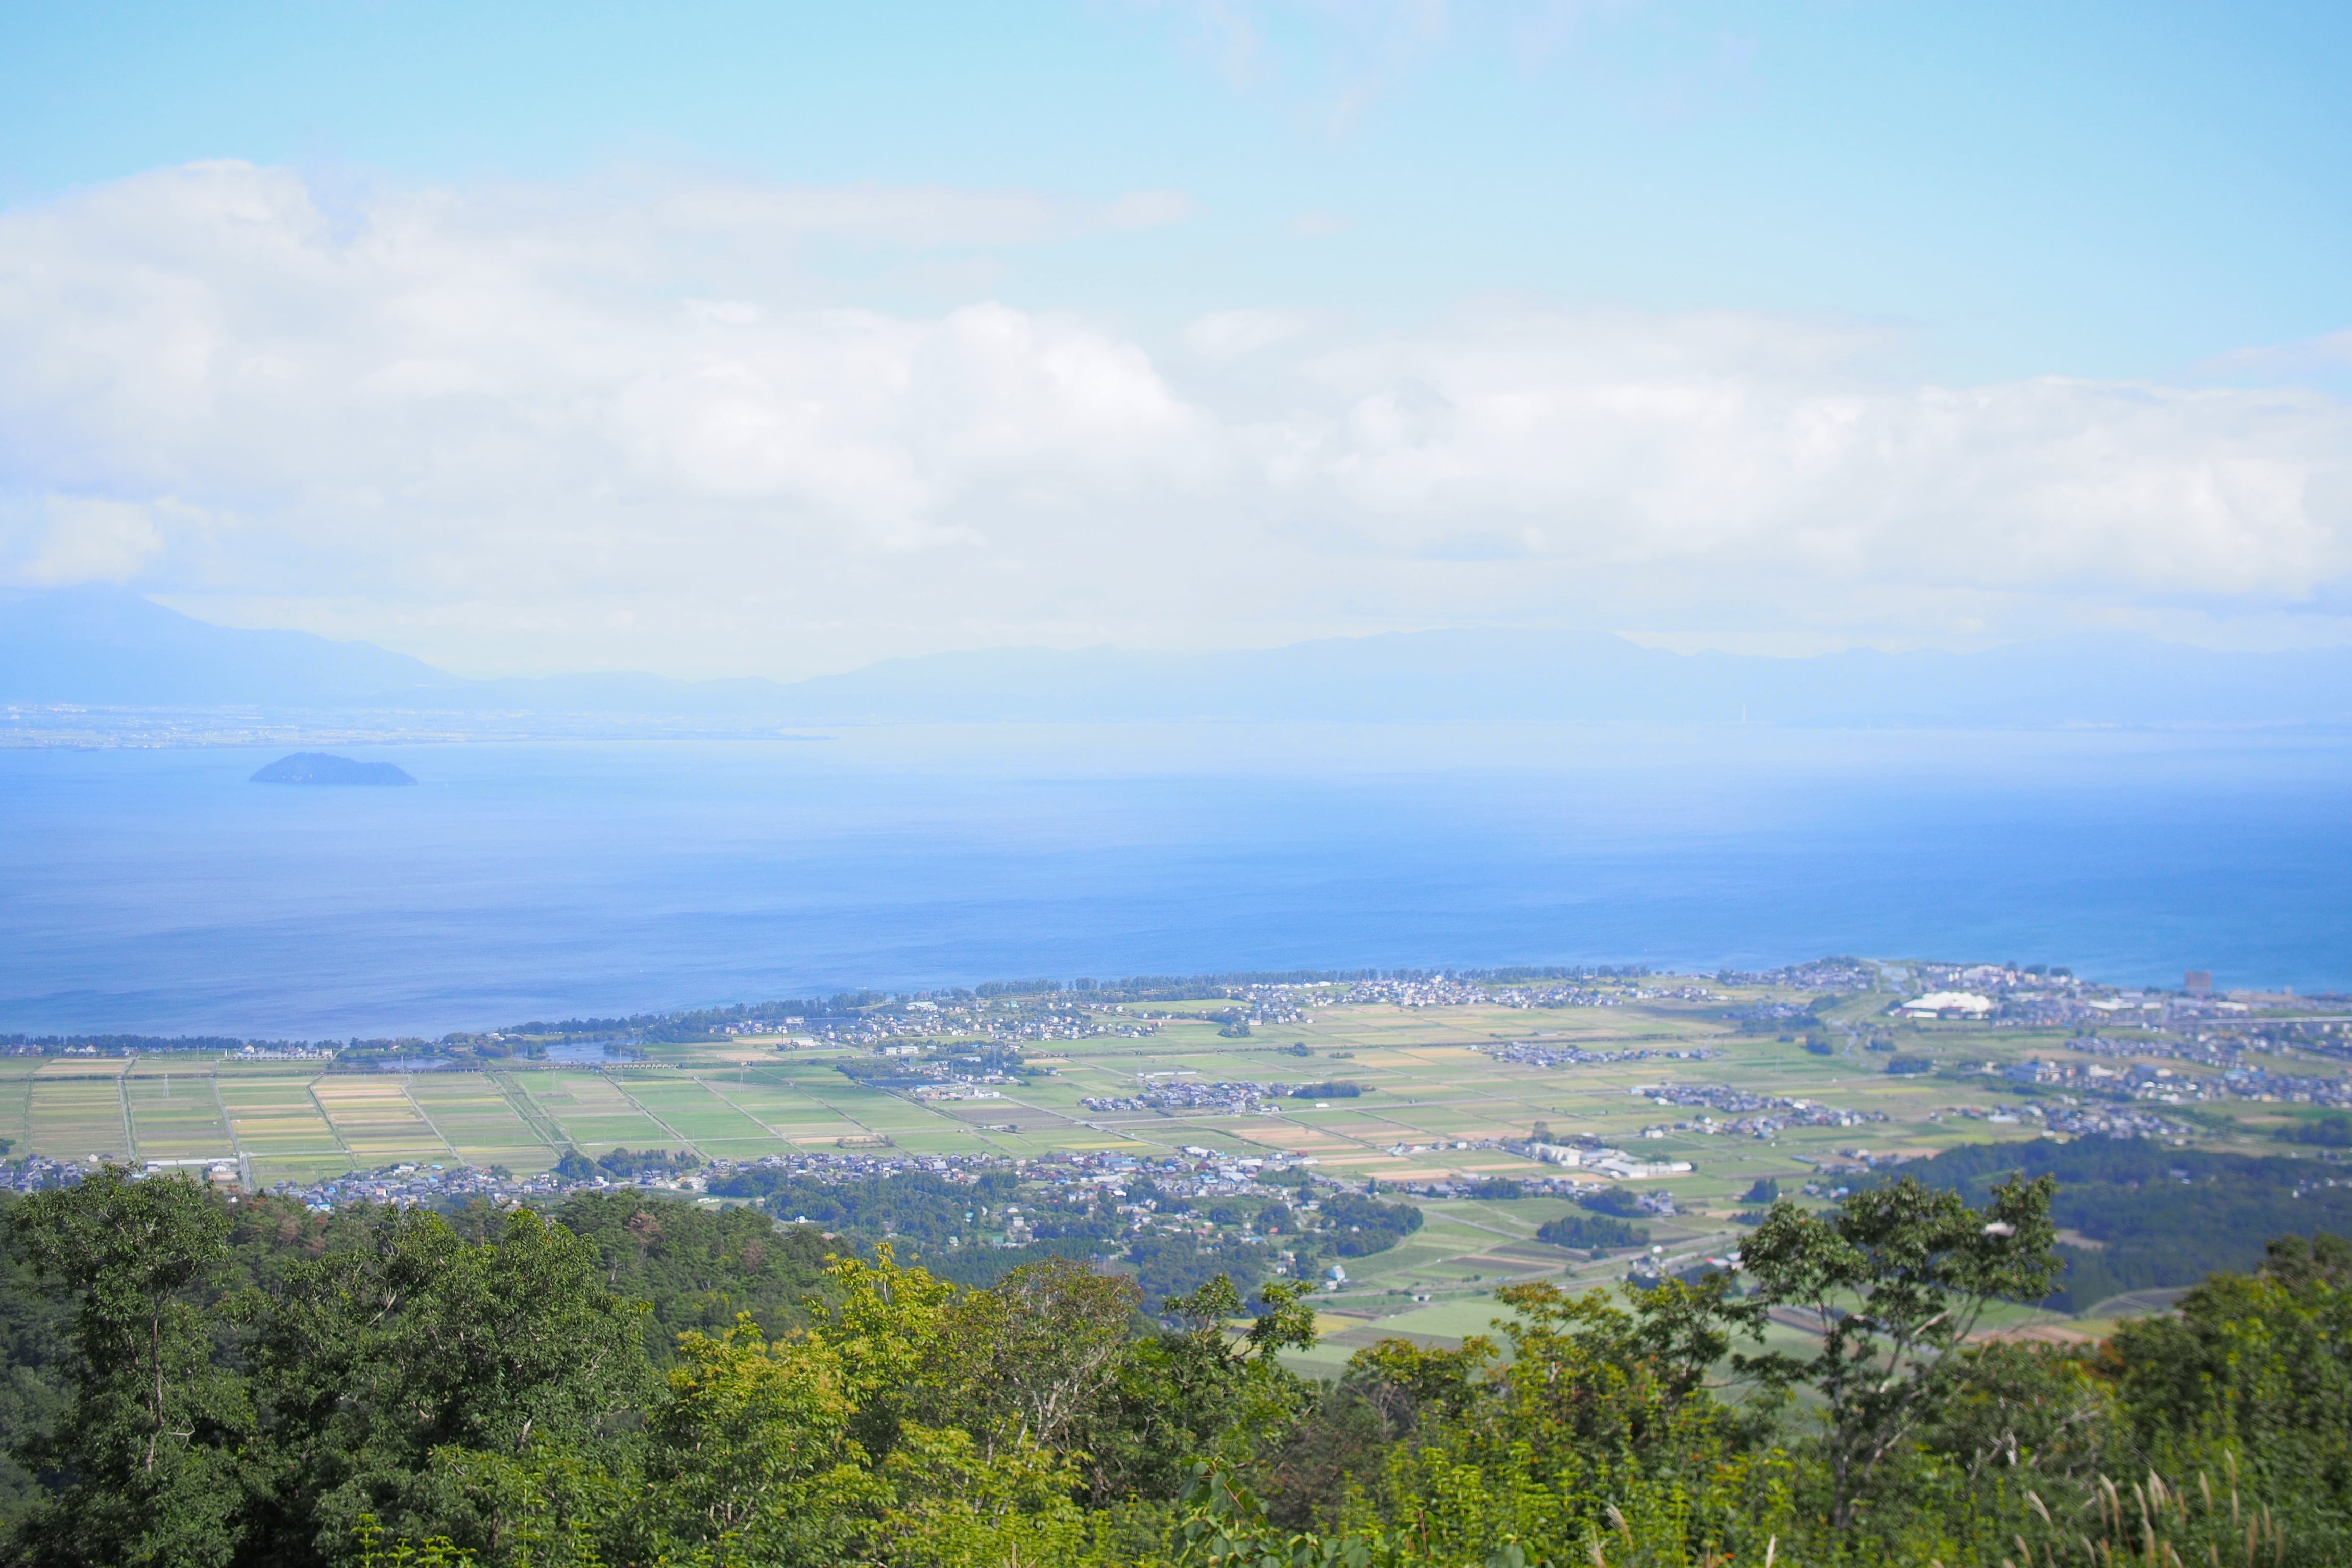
1921,198
2084,189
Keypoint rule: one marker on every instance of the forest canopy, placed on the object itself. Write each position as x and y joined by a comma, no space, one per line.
2151,1216
195,1379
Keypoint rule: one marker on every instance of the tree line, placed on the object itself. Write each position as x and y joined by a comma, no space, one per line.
194,1379
2145,1216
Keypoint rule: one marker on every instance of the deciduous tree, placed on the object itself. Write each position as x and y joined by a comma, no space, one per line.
148,1450
1895,1281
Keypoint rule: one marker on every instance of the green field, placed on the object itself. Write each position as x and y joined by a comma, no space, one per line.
1432,1099
1435,1106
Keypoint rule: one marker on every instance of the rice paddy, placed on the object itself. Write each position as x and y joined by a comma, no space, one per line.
1438,1100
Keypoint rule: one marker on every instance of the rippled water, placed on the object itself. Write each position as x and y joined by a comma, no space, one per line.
159,892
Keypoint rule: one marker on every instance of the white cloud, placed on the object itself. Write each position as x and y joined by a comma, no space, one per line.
1230,334
907,215
618,425
1738,443
87,541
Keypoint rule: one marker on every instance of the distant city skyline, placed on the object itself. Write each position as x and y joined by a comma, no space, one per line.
725,340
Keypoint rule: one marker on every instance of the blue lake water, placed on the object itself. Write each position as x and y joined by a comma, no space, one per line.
158,891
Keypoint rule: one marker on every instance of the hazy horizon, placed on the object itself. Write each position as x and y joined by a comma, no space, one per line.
95,664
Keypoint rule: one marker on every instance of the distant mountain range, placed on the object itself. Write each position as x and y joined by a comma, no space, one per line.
111,648
106,647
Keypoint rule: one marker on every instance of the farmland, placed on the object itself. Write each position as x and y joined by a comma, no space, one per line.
1674,1071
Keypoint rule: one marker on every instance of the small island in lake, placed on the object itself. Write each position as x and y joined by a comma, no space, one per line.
320,768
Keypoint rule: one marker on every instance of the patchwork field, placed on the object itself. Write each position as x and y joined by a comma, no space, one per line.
1438,1097
77,1110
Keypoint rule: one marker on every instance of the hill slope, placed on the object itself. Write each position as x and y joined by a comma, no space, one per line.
107,648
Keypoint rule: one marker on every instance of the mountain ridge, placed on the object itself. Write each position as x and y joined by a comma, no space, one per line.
114,649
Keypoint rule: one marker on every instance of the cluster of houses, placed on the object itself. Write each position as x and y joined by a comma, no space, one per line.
1613,1164
1181,1091
1536,1054
2172,1086
1752,1115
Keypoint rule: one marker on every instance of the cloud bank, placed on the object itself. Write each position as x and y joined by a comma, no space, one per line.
637,426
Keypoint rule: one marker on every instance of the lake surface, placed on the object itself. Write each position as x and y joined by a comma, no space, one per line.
158,891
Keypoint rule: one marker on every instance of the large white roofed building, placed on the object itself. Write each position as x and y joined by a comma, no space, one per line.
1948,1004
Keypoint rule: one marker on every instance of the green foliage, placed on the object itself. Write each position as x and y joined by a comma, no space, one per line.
1616,1200
696,1269
1896,1281
2163,1216
1224,1525
2260,1366
439,1552
2327,1132
942,1222
982,1266
1196,1390
751,1459
625,1162
880,1320
1597,1434
1360,1226
1169,1265
36,1352
147,1448
913,1204
957,1506
370,1359
1585,1230
649,1384
1031,1360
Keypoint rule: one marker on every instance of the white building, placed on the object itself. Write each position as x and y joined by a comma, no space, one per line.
1630,1170
1948,1004
1562,1153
